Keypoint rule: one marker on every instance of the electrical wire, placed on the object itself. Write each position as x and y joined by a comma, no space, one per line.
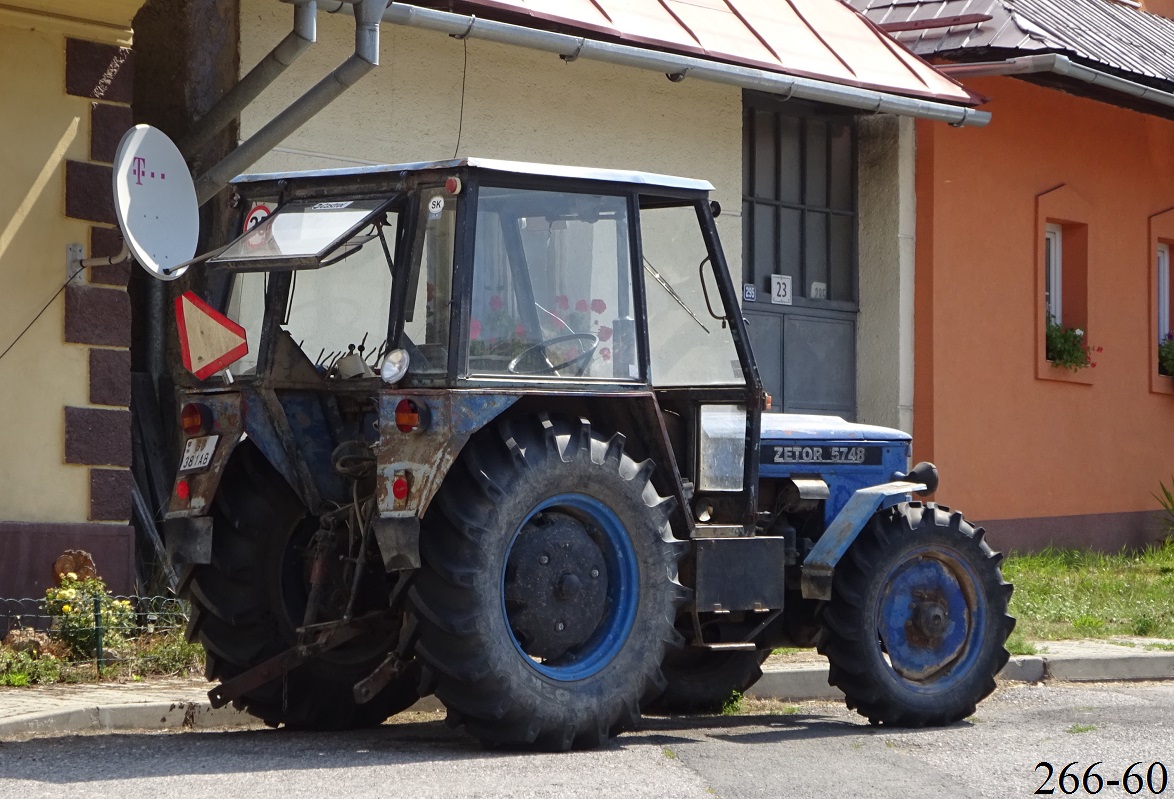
464,78
41,312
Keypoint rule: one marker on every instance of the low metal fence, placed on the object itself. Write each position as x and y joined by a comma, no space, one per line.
80,636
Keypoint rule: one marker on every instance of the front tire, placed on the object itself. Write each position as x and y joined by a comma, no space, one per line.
916,626
548,588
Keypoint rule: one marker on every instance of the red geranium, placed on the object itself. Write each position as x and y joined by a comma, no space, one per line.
496,303
474,329
581,305
605,333
598,305
561,302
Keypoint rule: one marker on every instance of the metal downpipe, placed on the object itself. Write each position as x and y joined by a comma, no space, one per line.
570,48
366,57
267,70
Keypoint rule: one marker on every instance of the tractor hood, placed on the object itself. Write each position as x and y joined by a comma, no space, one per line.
800,427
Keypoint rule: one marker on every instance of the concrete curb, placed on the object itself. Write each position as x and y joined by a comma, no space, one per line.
154,716
133,716
788,681
810,681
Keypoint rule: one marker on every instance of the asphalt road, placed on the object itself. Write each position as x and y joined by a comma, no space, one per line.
774,750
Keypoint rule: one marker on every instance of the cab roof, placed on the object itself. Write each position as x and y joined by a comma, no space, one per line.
493,165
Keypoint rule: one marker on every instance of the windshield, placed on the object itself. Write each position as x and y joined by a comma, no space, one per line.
685,313
552,286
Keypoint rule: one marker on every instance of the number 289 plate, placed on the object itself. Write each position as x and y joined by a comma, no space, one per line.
197,454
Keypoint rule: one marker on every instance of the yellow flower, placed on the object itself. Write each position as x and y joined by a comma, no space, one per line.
72,576
66,608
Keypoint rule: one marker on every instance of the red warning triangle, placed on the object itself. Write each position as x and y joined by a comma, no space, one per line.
208,340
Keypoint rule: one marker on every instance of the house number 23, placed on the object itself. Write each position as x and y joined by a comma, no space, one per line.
780,289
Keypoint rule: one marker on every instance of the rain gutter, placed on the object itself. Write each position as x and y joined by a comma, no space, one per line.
1058,65
676,67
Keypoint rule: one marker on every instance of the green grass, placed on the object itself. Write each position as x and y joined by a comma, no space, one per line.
1076,729
1079,594
733,705
164,653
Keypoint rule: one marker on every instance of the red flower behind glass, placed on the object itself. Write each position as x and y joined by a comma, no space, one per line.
598,305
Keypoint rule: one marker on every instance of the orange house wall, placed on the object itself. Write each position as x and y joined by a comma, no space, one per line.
1011,446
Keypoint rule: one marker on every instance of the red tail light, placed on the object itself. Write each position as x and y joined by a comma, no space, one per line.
195,419
411,417
401,486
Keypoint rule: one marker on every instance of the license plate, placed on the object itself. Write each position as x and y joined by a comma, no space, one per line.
197,453
822,454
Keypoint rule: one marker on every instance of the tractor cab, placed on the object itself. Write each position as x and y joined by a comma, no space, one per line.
482,281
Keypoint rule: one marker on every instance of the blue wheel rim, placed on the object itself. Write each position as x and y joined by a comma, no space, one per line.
930,581
623,575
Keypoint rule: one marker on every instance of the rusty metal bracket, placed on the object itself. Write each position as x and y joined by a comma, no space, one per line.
369,687
329,635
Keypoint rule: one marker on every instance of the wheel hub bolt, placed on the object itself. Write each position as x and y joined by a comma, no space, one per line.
568,586
595,572
560,626
931,619
543,559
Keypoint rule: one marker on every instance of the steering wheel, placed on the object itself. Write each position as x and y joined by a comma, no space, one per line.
545,367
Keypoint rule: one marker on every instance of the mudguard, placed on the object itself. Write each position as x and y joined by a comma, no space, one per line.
820,564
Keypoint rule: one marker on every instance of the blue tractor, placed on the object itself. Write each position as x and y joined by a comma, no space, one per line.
499,436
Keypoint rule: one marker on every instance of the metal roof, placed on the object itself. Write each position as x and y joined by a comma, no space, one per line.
823,39
495,165
1096,32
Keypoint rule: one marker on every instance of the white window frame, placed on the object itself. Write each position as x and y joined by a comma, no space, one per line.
1163,291
1054,285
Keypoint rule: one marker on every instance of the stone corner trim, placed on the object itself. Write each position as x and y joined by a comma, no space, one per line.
110,377
99,71
88,193
110,495
96,315
97,436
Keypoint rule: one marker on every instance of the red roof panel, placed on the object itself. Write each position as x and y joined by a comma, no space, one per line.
823,39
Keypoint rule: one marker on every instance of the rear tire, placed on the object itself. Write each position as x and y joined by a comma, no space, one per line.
703,681
548,588
248,603
916,626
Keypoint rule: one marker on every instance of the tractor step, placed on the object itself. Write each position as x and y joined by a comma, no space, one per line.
730,647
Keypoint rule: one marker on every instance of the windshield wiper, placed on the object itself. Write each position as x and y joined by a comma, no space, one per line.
650,269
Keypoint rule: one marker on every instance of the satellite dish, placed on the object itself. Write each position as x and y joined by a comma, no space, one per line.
155,201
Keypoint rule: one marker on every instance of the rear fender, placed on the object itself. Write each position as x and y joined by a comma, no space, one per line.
194,496
820,564
424,456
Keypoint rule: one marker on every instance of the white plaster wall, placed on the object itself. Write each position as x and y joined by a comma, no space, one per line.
518,104
884,331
